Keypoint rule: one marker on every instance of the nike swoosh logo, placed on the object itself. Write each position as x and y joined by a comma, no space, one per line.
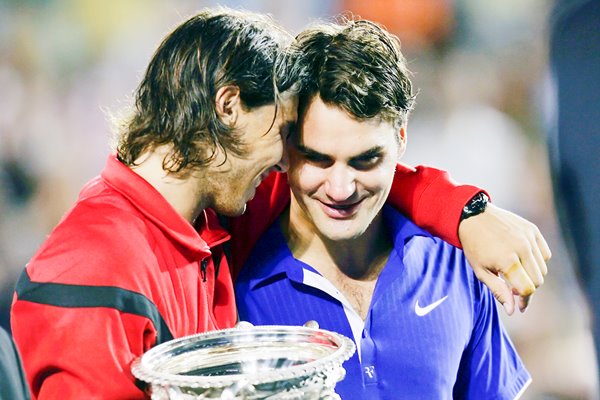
421,311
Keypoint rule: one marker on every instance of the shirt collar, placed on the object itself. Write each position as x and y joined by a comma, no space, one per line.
156,208
273,243
272,257
401,228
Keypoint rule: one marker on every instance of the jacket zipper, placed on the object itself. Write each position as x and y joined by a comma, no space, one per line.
203,266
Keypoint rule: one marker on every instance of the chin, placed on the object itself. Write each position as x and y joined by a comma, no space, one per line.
231,211
342,235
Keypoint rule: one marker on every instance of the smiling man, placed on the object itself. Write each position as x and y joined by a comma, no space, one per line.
424,326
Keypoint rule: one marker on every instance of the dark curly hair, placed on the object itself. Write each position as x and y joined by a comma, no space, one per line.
353,64
175,101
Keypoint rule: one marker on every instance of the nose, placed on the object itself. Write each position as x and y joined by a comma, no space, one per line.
340,184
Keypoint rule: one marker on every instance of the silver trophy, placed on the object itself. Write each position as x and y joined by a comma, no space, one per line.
254,362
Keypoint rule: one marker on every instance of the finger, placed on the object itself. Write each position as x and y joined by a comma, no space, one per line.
500,289
243,324
543,245
530,264
519,279
541,262
524,302
311,324
509,306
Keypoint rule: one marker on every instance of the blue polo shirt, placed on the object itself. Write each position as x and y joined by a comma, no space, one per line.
432,330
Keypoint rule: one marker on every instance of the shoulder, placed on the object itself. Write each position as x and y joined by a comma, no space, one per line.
439,262
269,261
449,265
434,249
101,234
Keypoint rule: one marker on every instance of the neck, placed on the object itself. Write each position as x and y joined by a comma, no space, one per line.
181,192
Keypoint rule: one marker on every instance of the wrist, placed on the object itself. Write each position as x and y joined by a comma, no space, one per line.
475,206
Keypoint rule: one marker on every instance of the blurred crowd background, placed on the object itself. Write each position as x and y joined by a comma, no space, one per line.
68,67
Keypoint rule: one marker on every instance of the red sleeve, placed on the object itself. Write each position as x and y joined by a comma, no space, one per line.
431,199
80,353
271,198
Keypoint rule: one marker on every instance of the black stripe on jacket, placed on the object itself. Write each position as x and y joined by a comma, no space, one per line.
75,296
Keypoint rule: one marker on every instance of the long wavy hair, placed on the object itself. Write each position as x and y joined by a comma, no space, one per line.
175,101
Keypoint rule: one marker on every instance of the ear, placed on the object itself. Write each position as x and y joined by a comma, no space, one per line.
227,104
402,139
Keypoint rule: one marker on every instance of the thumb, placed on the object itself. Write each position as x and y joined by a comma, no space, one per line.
311,324
243,325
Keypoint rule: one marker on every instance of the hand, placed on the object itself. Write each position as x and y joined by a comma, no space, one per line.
311,324
508,254
308,324
243,325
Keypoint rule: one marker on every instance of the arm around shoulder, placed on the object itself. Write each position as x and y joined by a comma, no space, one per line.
431,199
506,251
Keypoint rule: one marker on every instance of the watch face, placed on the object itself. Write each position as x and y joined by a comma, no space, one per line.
475,206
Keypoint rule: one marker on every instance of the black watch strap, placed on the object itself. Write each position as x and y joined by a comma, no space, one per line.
475,206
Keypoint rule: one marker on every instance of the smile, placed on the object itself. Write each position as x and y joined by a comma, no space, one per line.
340,211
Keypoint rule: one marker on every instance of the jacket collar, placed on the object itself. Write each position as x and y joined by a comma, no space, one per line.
143,196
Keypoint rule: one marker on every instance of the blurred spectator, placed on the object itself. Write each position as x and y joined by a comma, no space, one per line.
575,140
418,23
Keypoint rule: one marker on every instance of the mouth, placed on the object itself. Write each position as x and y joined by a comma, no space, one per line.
262,177
340,211
257,183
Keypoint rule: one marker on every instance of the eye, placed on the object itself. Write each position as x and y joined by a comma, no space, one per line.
365,163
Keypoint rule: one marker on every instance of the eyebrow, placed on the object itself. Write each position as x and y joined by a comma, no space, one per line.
370,153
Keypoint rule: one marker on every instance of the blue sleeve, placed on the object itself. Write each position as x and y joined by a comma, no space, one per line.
490,367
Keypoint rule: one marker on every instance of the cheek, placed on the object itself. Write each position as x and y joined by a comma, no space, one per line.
379,180
275,154
274,148
266,155
305,177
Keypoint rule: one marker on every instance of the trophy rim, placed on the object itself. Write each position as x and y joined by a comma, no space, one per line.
141,369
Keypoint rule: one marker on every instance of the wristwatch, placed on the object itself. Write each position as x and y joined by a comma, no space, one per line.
475,206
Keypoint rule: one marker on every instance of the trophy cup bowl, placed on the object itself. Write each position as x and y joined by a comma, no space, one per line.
254,362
